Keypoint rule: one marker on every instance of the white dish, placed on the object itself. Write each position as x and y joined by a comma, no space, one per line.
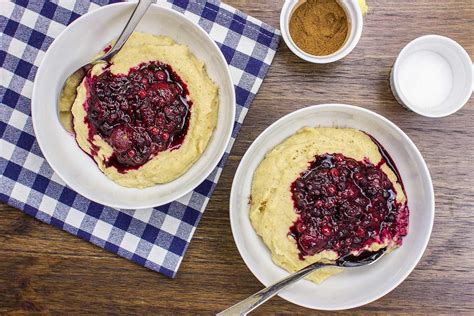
432,76
354,16
76,46
357,286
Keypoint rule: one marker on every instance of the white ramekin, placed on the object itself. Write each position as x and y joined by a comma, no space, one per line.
461,67
354,15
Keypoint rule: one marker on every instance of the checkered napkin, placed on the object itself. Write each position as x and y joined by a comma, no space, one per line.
157,237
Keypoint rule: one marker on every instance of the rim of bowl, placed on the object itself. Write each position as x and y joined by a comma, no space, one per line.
99,200
413,147
446,41
355,28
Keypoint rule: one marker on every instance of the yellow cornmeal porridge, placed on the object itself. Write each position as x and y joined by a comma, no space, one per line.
169,164
272,207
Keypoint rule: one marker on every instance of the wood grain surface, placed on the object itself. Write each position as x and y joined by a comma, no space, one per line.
46,270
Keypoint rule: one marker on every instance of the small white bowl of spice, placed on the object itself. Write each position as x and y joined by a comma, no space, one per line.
321,31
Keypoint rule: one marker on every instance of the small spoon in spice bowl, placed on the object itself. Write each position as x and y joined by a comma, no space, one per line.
348,261
321,31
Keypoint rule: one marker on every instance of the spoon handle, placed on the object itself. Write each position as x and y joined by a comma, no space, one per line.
132,23
252,302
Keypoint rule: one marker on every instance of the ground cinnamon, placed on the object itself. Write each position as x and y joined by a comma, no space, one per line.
319,27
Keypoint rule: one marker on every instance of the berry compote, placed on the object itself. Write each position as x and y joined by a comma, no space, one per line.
344,205
139,114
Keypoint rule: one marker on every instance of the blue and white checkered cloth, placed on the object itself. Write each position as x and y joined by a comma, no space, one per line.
155,238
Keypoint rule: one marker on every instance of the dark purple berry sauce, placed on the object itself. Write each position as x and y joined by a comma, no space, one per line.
344,205
138,114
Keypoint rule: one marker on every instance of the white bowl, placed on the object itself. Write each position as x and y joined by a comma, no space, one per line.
76,46
449,54
353,287
354,15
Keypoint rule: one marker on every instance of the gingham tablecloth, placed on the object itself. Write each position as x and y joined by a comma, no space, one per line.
155,238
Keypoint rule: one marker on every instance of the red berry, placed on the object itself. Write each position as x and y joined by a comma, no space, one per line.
338,157
165,136
160,75
142,94
360,232
300,227
160,121
121,138
334,172
331,190
326,230
154,131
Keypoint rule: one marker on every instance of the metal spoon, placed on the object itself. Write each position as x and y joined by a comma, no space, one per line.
252,302
68,92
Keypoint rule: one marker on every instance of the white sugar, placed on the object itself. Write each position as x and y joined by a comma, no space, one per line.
425,79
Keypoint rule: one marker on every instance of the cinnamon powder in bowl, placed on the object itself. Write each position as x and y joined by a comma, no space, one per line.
321,31
319,27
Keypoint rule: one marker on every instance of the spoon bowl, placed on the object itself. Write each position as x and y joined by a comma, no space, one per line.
362,259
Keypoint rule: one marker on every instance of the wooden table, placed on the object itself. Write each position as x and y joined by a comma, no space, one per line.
45,269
